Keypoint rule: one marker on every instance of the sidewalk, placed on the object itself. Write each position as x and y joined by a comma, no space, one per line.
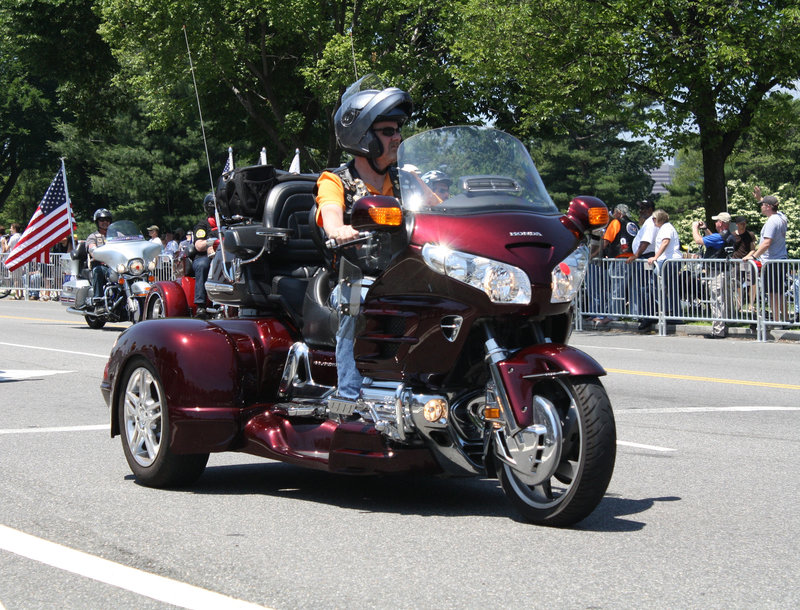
739,331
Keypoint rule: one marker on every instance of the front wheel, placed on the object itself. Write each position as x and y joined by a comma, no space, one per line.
584,465
95,321
144,429
155,307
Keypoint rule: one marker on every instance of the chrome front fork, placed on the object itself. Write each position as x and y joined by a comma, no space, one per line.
533,452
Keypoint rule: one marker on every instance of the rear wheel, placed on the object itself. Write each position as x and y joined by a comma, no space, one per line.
144,428
574,484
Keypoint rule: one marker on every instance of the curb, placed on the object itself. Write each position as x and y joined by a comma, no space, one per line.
693,330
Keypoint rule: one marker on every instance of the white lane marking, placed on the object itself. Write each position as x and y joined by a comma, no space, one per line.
640,446
17,374
131,579
622,349
52,349
743,409
61,429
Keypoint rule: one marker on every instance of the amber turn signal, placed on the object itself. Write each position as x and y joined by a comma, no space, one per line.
491,413
598,217
390,217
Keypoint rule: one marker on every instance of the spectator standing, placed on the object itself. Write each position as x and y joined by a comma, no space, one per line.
595,295
668,247
772,247
13,237
744,244
642,292
152,232
717,246
170,243
618,245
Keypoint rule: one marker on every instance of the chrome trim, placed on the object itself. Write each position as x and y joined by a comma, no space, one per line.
218,287
546,375
451,326
297,379
494,355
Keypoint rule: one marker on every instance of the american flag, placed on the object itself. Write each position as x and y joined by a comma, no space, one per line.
229,163
49,224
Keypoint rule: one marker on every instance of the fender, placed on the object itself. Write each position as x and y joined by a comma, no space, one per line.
547,360
215,375
173,298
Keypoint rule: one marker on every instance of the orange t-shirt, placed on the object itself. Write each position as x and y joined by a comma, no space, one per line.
330,191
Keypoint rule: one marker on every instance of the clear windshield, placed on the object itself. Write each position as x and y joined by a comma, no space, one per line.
488,171
123,230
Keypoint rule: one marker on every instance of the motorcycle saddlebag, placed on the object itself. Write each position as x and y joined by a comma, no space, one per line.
245,192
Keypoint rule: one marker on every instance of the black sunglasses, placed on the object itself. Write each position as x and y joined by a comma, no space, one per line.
387,131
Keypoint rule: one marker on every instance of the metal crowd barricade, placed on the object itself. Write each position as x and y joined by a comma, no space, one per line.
35,280
44,280
729,291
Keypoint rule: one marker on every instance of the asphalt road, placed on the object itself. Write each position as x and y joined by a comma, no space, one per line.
702,510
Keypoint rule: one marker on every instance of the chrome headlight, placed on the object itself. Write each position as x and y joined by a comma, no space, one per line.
568,275
501,282
136,266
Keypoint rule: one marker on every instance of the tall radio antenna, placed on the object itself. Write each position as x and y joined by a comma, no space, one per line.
228,275
202,124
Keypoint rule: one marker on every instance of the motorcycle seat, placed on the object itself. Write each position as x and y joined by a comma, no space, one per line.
279,277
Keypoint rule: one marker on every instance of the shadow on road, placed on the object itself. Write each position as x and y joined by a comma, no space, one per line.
399,494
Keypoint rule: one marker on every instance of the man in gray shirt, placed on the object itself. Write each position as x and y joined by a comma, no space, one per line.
772,247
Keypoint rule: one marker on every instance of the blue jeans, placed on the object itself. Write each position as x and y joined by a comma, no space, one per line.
348,379
200,265
99,279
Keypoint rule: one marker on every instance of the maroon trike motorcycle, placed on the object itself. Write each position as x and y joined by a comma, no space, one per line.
463,309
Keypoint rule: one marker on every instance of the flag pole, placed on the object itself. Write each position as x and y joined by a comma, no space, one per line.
69,203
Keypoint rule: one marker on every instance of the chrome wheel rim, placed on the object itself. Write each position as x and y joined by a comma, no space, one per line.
157,308
143,416
555,489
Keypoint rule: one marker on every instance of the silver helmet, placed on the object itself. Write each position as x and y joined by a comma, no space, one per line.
360,109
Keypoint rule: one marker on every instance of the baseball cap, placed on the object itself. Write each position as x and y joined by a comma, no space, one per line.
739,219
152,228
646,205
770,200
723,216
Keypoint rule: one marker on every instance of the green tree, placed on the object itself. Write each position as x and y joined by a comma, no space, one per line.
53,68
590,158
702,69
275,69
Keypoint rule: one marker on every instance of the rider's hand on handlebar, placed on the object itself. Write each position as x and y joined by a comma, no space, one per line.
344,234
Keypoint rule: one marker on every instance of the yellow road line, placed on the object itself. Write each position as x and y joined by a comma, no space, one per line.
76,321
762,384
38,319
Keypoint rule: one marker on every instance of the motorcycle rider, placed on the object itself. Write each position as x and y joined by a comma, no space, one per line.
367,125
438,182
205,233
102,219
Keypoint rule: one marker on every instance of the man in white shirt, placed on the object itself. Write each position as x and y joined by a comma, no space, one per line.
641,280
668,247
152,231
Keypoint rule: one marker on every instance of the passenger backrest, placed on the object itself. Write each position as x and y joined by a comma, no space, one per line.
288,205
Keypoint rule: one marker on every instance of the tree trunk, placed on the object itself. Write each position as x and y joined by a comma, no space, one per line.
714,183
